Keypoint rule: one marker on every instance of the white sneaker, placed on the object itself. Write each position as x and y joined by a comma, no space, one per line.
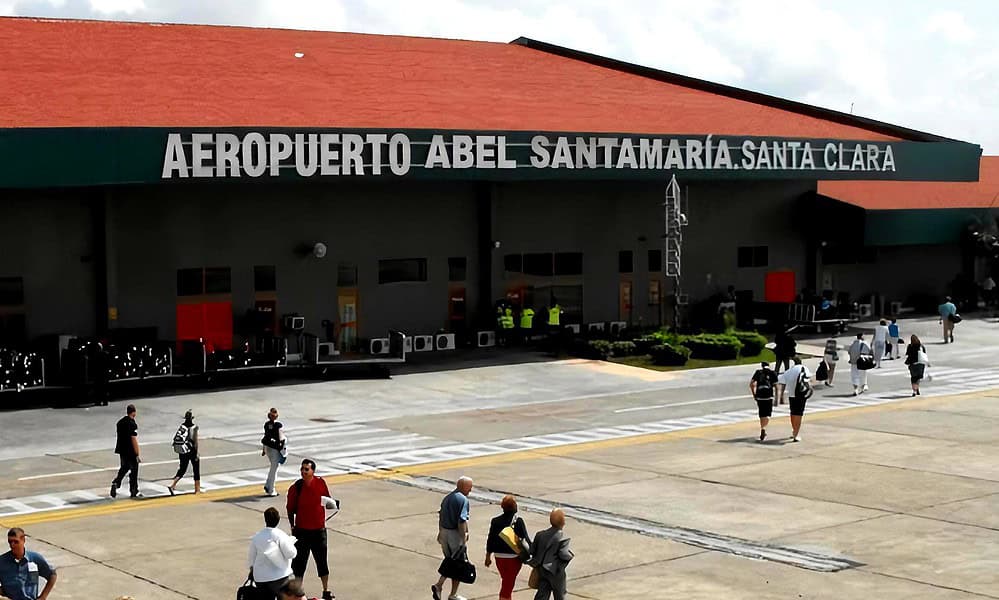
797,438
456,598
864,388
272,494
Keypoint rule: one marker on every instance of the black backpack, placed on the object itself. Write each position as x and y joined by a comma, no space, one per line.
803,388
764,387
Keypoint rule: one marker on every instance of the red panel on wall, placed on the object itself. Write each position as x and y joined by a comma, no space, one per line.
190,322
779,286
211,321
218,324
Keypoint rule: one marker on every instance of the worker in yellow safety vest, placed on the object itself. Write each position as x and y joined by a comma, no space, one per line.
526,323
555,333
554,314
506,324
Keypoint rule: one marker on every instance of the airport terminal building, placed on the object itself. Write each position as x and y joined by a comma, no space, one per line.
194,181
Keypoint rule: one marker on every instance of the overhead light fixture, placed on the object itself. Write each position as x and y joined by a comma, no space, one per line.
299,55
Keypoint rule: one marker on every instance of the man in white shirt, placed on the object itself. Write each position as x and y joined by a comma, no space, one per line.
880,342
271,551
798,381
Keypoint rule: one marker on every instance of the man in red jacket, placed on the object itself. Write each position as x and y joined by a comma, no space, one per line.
307,518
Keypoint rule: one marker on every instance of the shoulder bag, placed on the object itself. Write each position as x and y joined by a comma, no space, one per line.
514,541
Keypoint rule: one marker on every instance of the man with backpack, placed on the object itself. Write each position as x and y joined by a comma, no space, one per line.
798,380
761,386
185,444
307,499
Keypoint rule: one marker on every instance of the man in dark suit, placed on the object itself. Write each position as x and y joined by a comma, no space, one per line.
550,554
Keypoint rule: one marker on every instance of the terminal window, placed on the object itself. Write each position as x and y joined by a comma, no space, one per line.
655,261
539,264
399,270
512,263
625,261
753,256
568,263
198,281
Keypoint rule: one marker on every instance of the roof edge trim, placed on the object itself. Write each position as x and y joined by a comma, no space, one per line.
734,92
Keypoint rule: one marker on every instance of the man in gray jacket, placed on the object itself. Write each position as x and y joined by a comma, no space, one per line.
550,554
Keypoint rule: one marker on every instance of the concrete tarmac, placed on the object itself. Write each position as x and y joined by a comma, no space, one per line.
901,499
668,492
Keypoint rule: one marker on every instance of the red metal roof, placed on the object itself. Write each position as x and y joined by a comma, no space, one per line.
895,195
61,73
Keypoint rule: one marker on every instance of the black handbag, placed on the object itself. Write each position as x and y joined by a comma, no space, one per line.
250,591
458,568
955,318
865,362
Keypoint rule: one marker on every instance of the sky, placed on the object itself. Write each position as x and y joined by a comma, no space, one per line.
927,65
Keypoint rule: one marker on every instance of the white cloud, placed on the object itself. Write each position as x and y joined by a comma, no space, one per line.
110,7
952,26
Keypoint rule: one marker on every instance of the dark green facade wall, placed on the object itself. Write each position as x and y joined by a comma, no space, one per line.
46,237
155,230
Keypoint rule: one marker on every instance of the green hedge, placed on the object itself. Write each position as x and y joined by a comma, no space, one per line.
667,355
645,343
623,348
752,342
712,346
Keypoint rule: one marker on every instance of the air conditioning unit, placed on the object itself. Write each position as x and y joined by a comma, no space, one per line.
444,341
485,339
379,346
865,311
573,327
407,344
595,327
326,350
423,343
618,327
294,323
896,308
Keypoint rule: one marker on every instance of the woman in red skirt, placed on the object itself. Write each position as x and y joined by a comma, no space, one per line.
508,561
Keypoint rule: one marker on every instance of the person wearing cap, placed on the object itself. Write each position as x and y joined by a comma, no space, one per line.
185,444
307,501
762,386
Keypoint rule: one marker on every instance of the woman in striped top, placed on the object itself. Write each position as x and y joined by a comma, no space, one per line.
830,355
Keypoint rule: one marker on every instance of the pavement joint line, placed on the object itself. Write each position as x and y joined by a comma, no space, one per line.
114,568
430,467
926,583
707,540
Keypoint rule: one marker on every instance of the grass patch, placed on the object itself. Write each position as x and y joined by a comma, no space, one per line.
645,361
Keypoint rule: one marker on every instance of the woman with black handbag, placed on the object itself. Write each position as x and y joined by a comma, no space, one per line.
508,541
915,357
861,360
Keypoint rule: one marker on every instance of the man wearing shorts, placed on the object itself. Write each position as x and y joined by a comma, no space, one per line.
452,534
793,377
307,519
761,386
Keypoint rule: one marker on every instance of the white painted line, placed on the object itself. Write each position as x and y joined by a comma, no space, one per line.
144,464
688,403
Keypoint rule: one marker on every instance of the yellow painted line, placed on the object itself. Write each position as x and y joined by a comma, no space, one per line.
249,492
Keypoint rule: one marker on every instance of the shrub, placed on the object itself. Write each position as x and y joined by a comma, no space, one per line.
592,349
712,346
667,355
644,344
752,342
623,348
